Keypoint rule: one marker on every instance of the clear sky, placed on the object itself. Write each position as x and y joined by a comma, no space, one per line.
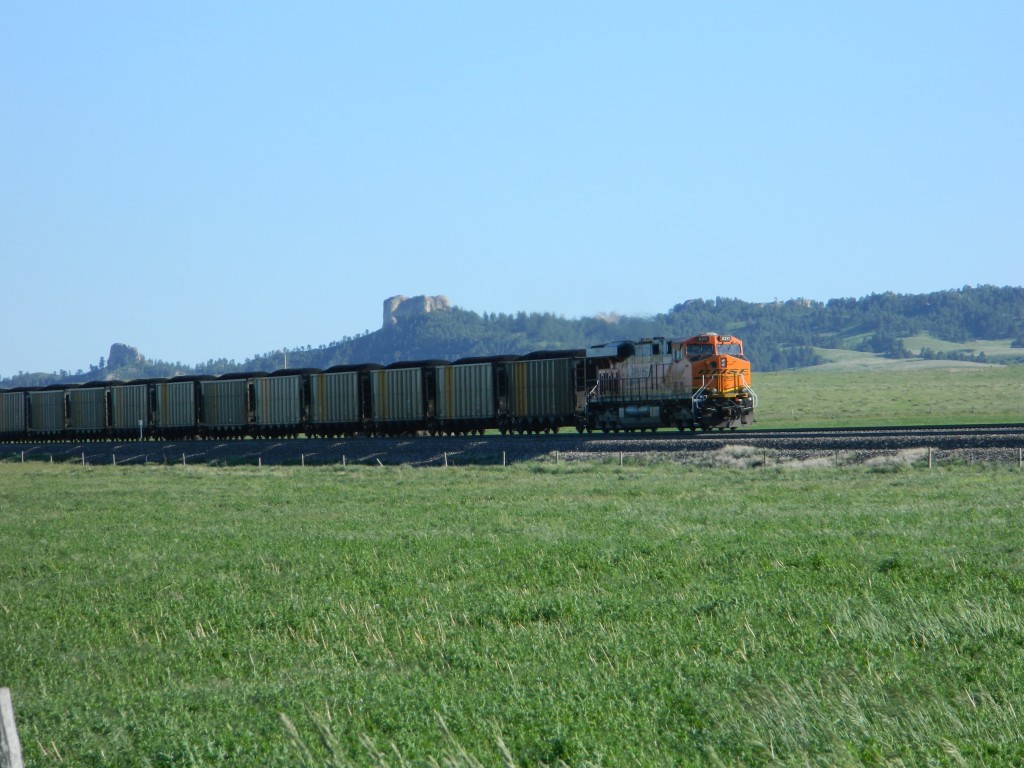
205,180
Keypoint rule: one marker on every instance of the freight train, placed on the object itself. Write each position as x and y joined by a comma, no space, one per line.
700,382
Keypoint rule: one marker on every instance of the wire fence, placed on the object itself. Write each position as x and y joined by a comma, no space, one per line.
415,452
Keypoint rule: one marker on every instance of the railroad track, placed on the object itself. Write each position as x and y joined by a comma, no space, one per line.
983,435
1000,442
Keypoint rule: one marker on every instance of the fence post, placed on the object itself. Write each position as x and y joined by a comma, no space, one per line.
10,746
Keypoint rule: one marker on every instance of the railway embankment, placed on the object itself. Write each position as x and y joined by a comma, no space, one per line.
1002,445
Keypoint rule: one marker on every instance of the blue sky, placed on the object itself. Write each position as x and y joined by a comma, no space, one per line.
205,180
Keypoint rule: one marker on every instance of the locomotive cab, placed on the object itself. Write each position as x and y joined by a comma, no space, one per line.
722,397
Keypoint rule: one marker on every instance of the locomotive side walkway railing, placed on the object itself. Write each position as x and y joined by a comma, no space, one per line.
639,388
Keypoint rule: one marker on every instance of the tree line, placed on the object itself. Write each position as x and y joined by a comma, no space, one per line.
777,335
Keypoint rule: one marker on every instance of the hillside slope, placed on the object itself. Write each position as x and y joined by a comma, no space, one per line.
981,324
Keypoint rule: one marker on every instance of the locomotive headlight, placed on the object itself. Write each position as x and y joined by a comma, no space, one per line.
713,391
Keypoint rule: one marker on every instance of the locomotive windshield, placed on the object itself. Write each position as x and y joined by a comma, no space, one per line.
730,349
699,351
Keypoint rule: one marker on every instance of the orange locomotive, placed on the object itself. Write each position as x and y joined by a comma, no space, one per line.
703,381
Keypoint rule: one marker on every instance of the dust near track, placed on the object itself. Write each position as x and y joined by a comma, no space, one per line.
1000,445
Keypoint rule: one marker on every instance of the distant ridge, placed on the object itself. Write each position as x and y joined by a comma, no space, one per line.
779,335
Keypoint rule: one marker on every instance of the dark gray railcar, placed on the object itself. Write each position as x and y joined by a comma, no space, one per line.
339,401
470,394
403,396
88,412
281,402
131,408
13,414
546,391
47,411
176,406
226,405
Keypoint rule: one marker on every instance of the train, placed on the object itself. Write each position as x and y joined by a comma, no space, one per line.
702,382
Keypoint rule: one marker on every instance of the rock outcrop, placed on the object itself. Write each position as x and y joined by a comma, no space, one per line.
121,356
398,307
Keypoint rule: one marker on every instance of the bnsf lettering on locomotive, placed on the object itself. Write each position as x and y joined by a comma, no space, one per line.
640,371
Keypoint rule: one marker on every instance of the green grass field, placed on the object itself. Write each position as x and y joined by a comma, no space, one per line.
995,350
584,614
864,390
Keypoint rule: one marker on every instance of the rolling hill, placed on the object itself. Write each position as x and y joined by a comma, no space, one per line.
970,325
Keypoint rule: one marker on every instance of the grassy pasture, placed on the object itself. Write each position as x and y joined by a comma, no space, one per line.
996,350
585,614
864,390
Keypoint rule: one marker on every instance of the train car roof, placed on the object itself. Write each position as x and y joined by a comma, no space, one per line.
235,376
294,371
354,367
486,359
192,377
133,382
554,354
418,364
